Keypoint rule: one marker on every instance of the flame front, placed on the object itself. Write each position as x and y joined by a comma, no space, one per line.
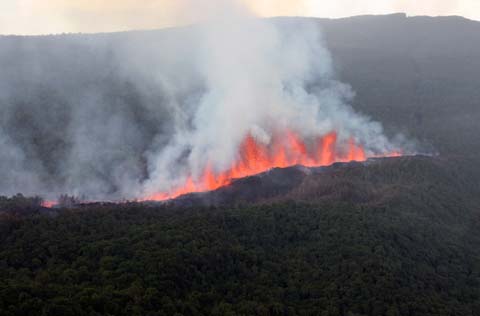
49,204
286,150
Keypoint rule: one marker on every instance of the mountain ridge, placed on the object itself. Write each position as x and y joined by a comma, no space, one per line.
400,16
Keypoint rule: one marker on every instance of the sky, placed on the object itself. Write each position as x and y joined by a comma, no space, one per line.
33,17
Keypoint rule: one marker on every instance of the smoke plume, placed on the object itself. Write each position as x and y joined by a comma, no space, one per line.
129,115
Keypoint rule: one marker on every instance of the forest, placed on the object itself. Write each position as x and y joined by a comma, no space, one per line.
407,245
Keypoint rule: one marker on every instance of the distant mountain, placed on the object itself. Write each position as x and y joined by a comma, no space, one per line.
419,76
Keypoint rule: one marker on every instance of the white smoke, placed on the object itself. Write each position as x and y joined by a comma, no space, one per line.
260,76
129,115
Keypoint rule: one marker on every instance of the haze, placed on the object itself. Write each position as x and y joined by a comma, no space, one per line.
32,17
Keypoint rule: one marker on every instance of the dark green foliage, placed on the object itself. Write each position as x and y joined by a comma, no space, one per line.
19,204
411,250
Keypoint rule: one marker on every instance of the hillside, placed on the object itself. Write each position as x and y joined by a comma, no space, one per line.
389,237
418,76
386,237
367,182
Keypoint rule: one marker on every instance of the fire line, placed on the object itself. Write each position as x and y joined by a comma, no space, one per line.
282,152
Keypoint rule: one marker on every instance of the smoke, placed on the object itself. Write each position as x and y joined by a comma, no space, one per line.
128,115
261,77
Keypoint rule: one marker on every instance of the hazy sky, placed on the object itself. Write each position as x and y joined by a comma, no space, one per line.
57,16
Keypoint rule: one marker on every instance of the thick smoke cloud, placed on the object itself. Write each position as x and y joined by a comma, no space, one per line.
128,115
260,77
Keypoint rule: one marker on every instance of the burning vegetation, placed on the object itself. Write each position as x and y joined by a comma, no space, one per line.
230,98
284,150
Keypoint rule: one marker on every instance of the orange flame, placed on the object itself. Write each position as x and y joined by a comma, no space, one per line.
285,151
49,204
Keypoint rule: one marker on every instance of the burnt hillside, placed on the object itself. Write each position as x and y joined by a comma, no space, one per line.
367,182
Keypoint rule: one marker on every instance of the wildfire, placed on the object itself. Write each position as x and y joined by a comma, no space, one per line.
283,151
49,204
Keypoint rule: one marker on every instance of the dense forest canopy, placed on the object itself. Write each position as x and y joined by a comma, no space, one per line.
393,237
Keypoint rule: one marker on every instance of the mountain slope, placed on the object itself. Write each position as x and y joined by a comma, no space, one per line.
417,75
367,182
390,237
386,237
